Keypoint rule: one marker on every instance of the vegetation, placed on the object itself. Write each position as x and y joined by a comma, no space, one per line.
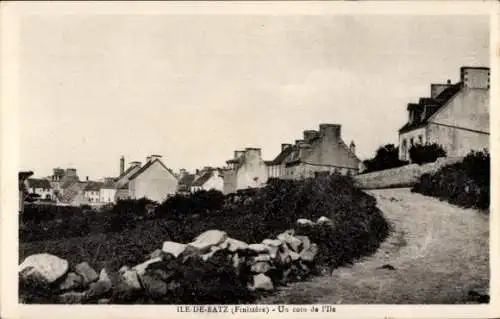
251,216
426,153
386,157
466,184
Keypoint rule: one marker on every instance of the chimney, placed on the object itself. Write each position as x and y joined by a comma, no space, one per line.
284,146
135,163
297,142
153,157
330,131
148,159
448,82
352,148
475,77
238,154
122,165
87,178
253,151
309,135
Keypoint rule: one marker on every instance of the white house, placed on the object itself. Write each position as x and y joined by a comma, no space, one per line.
211,179
108,191
92,192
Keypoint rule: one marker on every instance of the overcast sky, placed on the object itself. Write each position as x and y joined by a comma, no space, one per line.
195,88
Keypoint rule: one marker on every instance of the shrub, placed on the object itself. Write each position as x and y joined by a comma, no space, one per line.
466,184
428,153
386,157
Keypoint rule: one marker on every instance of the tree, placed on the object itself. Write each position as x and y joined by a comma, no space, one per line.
427,153
386,157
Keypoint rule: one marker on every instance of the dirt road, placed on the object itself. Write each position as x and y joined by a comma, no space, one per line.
439,252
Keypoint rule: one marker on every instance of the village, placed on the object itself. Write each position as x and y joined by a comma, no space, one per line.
454,116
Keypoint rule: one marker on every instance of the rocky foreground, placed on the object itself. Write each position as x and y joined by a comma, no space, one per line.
214,268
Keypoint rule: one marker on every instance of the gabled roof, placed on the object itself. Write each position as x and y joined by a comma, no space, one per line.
282,155
200,181
93,186
148,165
187,180
39,183
432,106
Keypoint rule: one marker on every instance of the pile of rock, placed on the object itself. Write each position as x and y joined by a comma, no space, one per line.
170,271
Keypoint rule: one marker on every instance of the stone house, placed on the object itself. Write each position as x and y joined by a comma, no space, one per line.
108,190
41,187
92,192
455,116
318,151
246,170
153,181
209,179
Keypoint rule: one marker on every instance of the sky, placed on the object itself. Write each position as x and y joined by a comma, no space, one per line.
195,88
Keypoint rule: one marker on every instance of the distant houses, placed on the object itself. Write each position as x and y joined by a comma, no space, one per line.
41,187
318,151
208,179
455,116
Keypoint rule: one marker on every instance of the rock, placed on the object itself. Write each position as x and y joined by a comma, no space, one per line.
141,268
71,282
44,266
73,297
159,253
283,255
294,256
309,254
131,279
305,222
291,241
261,267
262,282
101,287
86,272
173,248
154,286
324,220
306,242
209,255
189,253
259,248
262,257
237,261
272,242
208,239
233,245
124,269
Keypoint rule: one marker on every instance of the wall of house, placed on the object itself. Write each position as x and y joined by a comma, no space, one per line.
252,172
45,193
229,177
92,196
107,195
122,193
418,135
155,183
330,150
275,171
457,142
303,170
215,182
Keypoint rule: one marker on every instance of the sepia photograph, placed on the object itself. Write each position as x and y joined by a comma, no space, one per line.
251,162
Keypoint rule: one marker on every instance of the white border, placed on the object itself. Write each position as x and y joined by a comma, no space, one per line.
12,11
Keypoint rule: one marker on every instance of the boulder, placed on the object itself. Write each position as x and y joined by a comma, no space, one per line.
71,282
73,297
283,255
261,267
209,255
44,266
208,239
309,254
306,242
272,242
141,268
324,221
123,269
86,272
262,282
131,279
262,257
233,245
101,287
305,222
294,256
291,241
259,248
173,248
189,253
160,253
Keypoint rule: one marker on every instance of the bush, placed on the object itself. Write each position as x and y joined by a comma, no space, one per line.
465,184
386,157
428,153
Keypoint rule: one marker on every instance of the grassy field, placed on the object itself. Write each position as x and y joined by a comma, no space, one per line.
439,252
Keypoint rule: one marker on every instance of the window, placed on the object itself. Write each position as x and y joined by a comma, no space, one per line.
403,149
411,141
420,139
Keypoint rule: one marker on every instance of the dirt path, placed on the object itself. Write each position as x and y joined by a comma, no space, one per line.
439,252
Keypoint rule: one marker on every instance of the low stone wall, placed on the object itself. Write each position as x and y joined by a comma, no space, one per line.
163,276
404,176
